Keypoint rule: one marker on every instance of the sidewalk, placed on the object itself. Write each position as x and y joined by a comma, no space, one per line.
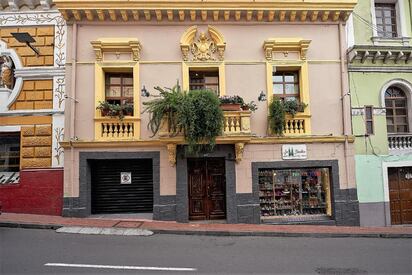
54,222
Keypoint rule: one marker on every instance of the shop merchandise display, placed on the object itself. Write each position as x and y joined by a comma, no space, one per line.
293,191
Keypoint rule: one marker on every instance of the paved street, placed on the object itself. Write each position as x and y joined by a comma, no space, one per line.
33,251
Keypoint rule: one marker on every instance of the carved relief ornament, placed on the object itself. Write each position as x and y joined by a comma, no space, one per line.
285,46
171,152
207,46
116,45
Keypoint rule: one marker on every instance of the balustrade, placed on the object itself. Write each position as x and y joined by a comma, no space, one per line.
115,129
400,141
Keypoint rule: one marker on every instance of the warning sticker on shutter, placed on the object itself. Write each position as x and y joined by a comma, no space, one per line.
125,177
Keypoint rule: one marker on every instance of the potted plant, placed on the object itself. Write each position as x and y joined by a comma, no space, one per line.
292,106
128,109
112,110
231,103
251,106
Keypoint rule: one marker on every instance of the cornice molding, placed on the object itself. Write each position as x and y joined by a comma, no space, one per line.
102,45
383,54
286,45
193,10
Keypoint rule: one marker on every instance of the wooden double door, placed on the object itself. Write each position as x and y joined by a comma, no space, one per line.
207,188
400,194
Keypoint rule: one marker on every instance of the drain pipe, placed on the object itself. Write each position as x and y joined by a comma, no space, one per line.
73,103
344,98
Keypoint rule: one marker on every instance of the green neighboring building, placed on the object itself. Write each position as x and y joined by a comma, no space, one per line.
380,77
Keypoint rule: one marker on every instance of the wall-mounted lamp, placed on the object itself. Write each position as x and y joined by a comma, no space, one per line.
262,96
144,92
25,37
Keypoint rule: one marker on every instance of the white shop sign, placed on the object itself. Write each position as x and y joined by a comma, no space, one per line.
125,177
294,151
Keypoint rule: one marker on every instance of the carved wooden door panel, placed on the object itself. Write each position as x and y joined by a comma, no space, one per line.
207,185
400,194
216,188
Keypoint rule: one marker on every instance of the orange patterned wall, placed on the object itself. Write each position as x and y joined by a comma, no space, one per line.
44,37
36,94
36,144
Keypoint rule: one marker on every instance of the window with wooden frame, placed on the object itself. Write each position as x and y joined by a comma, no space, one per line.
204,79
119,89
286,84
369,120
386,20
10,152
396,104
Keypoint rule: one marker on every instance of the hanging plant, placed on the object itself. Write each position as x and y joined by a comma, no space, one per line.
165,109
292,106
196,114
276,117
202,120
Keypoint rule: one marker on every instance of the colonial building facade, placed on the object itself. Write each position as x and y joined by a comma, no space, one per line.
254,49
380,73
32,95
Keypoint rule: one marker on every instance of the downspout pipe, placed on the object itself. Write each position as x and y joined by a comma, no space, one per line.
73,103
345,96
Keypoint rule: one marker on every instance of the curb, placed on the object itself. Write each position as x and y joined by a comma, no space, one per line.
230,233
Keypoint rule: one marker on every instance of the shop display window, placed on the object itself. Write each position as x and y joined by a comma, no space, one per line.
289,192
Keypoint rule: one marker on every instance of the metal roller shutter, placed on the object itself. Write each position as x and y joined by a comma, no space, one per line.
110,196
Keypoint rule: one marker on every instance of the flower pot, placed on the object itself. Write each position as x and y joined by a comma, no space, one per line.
105,112
230,106
245,108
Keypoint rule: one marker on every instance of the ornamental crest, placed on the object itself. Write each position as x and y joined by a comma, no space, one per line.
208,46
203,49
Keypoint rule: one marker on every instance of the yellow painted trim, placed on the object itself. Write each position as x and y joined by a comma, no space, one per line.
186,66
219,140
285,44
117,66
227,62
118,44
208,5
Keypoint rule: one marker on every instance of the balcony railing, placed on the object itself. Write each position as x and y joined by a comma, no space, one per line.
297,125
400,141
115,129
234,123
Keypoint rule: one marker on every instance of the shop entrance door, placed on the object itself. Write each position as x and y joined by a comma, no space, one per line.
207,188
400,194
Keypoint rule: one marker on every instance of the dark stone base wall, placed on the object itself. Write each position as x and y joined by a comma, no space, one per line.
346,207
248,209
166,209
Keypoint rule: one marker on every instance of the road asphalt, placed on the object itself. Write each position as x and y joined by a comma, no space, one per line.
35,251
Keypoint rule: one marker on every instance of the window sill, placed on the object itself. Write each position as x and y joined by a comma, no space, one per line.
395,41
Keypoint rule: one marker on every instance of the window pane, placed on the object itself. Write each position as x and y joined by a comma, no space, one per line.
369,127
128,91
379,20
290,89
401,120
389,120
9,153
400,111
368,112
402,129
389,112
387,13
278,89
114,80
113,92
211,79
391,129
128,81
277,78
400,103
289,78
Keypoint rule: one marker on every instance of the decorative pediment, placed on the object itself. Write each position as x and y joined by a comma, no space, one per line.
205,46
116,45
286,45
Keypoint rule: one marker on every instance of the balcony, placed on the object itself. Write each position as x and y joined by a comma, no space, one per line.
297,125
400,143
114,129
236,123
